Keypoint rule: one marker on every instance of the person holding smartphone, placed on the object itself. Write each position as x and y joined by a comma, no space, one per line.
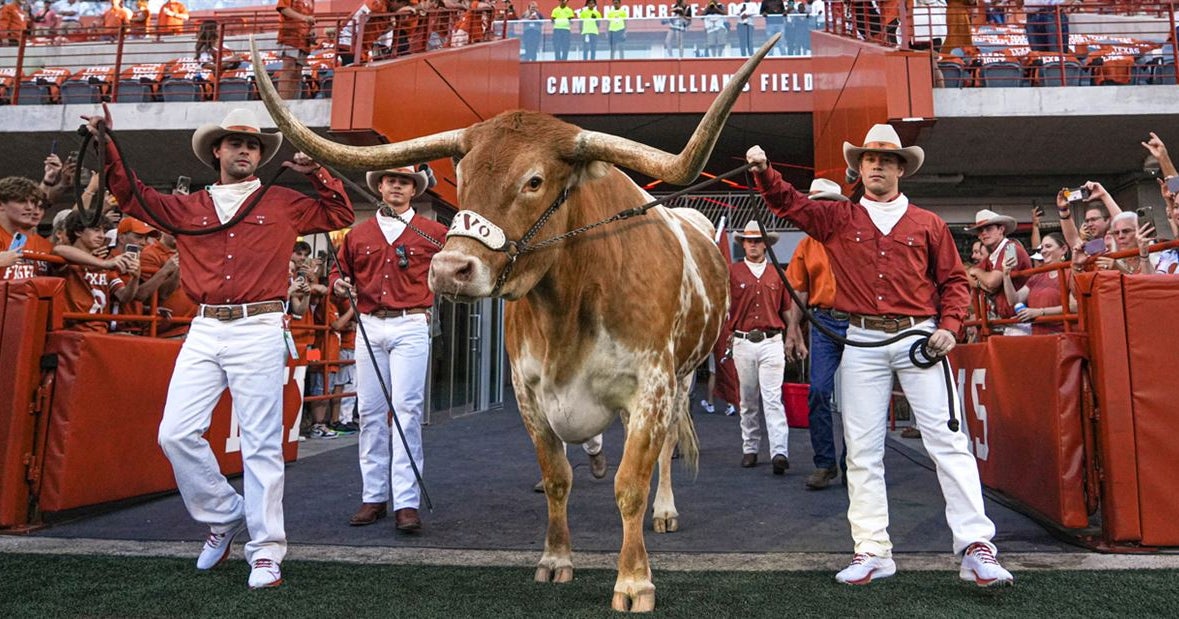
992,230
239,275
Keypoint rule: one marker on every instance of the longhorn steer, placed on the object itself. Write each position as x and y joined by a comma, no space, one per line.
608,323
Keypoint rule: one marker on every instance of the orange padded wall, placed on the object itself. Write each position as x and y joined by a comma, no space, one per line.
107,403
1025,422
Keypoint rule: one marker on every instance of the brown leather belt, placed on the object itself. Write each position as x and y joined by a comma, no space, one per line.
756,335
398,313
887,324
225,313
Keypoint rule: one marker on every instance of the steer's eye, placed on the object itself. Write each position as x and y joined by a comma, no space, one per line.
534,183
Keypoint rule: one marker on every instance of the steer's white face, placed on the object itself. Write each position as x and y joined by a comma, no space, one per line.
504,189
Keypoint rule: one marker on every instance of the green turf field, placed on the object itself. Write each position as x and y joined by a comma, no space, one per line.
42,586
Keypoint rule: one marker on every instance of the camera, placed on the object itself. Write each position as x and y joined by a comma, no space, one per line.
1080,194
1096,246
131,248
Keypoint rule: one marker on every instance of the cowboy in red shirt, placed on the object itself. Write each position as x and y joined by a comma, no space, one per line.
898,269
387,263
238,275
757,320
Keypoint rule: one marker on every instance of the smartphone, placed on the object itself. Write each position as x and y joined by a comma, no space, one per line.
1145,215
131,248
1094,247
182,185
1008,251
1173,184
1080,194
18,242
53,148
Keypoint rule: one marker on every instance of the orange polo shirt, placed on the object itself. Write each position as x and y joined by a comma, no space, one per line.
809,271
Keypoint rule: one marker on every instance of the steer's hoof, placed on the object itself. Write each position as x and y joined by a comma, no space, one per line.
549,574
670,524
642,602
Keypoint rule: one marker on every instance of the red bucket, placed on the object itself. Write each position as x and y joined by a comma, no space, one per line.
794,396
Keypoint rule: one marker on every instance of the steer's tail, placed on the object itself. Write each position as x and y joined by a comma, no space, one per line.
684,430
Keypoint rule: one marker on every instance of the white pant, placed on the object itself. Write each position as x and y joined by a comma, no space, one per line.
402,349
249,356
865,391
761,368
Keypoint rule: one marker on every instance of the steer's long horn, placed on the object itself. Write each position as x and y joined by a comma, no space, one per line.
683,168
381,157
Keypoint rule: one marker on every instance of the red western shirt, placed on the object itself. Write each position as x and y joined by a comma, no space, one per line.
914,270
250,261
1023,261
374,266
757,303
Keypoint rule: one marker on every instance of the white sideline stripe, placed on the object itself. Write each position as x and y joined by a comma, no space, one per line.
670,561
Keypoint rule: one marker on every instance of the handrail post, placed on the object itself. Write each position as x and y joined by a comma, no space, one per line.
20,67
217,61
118,66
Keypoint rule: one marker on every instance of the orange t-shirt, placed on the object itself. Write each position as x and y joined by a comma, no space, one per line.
171,24
25,268
12,21
295,32
115,17
151,260
810,271
90,291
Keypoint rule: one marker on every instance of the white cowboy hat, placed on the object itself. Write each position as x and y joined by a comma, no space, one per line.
752,231
419,177
823,189
884,139
239,121
987,217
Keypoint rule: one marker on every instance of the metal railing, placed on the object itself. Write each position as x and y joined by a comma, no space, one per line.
209,61
1070,320
1110,43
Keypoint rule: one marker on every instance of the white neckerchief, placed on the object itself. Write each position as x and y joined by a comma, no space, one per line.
885,215
392,227
995,255
757,267
227,199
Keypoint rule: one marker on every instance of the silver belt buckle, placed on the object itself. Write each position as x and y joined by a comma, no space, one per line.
755,336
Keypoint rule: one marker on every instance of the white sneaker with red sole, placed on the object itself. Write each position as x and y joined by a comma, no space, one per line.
265,573
217,547
865,567
980,567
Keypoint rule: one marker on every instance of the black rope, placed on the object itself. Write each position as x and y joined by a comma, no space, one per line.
155,217
918,353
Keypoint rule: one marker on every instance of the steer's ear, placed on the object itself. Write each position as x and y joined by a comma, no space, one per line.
594,170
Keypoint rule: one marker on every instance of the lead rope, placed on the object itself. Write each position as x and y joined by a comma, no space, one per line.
100,142
918,354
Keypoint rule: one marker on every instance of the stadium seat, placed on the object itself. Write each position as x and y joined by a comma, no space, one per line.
1143,70
1164,73
181,90
235,89
79,91
34,93
135,91
325,84
1002,75
953,74
1074,75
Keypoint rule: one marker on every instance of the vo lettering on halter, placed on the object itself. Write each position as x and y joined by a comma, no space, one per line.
475,226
